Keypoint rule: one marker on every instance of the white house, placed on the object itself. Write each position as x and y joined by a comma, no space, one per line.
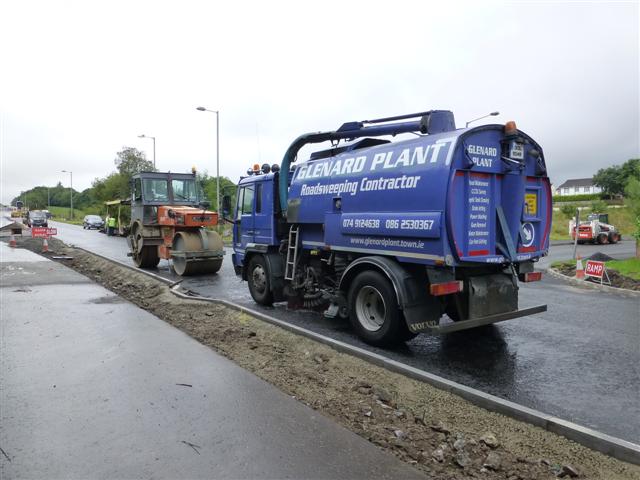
578,186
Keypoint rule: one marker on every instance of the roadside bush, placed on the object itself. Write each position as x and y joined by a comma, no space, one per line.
568,210
598,206
557,199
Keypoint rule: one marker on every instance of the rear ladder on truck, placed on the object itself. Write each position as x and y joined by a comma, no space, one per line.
292,253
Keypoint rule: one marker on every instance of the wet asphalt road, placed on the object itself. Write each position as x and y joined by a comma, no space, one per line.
580,360
89,392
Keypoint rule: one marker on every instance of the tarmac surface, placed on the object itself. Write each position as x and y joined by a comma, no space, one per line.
579,360
95,387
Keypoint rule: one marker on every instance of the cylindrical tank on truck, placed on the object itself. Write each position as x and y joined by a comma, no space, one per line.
395,234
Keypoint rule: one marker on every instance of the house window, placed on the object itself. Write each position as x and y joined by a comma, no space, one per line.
587,189
565,191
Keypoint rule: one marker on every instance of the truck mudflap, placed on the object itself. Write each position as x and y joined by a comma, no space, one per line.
477,322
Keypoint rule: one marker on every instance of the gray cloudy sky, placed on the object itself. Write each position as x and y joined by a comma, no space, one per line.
79,80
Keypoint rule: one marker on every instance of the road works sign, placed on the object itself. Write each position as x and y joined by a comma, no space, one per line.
596,269
43,232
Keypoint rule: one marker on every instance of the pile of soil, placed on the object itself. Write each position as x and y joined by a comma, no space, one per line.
600,257
439,433
617,280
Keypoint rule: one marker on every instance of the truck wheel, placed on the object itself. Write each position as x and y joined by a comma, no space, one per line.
259,280
374,311
613,238
603,238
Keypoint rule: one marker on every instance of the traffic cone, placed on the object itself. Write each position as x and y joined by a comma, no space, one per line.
579,269
45,245
12,241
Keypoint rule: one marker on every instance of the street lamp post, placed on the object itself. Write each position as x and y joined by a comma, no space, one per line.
154,147
217,112
492,114
70,190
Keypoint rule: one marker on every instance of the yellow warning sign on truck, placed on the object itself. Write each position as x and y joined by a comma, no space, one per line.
531,201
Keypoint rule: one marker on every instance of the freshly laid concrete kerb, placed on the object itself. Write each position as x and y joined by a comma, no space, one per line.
609,445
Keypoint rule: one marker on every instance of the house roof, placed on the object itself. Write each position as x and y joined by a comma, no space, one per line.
577,182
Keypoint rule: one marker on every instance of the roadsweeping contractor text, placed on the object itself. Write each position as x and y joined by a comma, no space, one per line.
364,185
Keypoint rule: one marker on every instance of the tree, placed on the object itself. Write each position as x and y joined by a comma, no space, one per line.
36,198
608,179
632,192
613,180
227,187
131,161
111,187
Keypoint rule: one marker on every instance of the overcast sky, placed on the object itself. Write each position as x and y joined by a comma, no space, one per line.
80,80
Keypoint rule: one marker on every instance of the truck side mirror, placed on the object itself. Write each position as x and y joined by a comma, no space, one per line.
226,205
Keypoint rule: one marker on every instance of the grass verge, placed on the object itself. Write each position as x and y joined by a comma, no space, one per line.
62,214
629,268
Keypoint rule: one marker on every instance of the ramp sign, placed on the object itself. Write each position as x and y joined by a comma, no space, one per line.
43,232
595,269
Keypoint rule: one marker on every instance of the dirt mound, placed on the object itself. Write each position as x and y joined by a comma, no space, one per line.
600,257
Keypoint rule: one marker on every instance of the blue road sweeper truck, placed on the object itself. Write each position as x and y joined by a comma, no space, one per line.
394,233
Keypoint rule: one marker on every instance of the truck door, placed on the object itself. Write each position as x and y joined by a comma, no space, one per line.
245,217
263,220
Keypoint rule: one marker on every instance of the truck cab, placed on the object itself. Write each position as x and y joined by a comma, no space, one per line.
256,213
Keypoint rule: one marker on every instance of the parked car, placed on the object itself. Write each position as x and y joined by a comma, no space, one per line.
92,221
36,218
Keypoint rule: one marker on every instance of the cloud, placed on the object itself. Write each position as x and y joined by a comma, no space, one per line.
81,79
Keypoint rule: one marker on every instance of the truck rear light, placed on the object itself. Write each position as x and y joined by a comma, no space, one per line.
530,277
447,288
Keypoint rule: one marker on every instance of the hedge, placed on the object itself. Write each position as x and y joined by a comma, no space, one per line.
577,198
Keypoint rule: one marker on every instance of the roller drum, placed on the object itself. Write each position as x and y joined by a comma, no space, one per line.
186,245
